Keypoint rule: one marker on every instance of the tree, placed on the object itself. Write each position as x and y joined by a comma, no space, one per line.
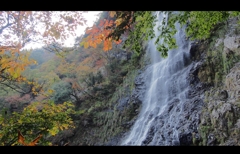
200,25
18,28
101,32
139,25
62,91
44,118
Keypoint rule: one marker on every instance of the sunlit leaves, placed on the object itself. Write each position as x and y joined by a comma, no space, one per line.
18,28
98,34
118,21
12,64
143,30
47,118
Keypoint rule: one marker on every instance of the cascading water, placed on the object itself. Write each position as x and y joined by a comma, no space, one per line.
166,85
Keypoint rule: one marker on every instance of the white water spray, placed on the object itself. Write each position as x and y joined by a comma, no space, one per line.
167,82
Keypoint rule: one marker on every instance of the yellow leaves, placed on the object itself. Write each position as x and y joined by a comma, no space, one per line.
86,45
17,72
50,91
65,126
112,13
48,118
35,93
13,63
3,59
20,121
53,131
2,51
60,127
118,21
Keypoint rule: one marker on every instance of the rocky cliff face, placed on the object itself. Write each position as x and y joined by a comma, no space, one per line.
210,116
219,119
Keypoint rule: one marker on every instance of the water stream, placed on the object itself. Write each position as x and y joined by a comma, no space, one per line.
166,82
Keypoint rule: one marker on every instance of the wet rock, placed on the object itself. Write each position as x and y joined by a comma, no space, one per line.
149,137
185,139
196,138
225,108
231,42
238,124
211,140
223,95
194,50
175,143
114,140
186,60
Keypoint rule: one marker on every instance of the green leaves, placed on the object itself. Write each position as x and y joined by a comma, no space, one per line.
45,118
200,25
143,30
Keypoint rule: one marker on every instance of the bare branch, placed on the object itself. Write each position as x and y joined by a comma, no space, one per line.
7,25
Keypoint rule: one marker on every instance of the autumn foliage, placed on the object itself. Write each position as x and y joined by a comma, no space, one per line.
44,118
98,34
18,28
21,140
108,30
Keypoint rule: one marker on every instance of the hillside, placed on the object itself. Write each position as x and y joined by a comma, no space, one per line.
151,78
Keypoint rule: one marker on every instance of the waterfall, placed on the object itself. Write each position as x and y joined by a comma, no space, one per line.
166,84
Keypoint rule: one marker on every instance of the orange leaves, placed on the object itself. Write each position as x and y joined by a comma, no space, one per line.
13,63
92,30
108,23
99,34
118,42
107,45
21,140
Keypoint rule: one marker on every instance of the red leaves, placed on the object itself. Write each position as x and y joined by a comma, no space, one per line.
99,34
21,140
